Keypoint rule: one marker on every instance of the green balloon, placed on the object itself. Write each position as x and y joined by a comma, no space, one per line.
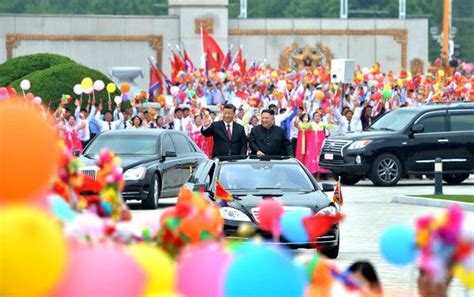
386,94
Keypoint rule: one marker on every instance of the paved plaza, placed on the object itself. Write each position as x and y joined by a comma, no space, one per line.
368,212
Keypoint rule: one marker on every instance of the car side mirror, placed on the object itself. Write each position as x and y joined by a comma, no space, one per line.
200,187
328,187
417,128
170,154
76,153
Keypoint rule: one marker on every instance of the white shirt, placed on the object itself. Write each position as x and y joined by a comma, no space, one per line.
345,126
231,126
84,134
105,126
281,117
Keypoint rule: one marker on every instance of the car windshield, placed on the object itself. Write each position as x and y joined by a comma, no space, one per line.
395,120
264,176
123,145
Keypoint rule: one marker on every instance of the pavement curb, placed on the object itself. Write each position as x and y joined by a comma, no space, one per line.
402,199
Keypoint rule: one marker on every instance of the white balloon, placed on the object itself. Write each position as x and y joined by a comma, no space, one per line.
89,90
37,100
25,84
174,90
99,85
118,100
78,89
365,70
281,84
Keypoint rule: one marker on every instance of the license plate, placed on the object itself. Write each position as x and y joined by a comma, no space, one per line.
329,156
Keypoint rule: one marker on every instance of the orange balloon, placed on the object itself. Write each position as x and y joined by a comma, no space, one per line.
29,151
319,94
125,88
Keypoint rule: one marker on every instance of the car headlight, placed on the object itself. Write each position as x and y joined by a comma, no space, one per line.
327,211
135,173
230,213
356,145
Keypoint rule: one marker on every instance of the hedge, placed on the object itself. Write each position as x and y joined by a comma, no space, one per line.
18,67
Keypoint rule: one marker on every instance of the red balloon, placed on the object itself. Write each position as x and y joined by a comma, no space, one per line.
30,96
182,95
269,213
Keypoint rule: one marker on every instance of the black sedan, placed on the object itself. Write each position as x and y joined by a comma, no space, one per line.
251,179
155,162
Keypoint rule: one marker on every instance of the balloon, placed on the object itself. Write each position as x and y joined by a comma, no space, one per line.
33,252
269,213
30,96
101,270
201,270
281,84
316,72
398,245
359,76
41,162
3,93
386,94
25,85
365,70
182,95
158,267
221,75
89,90
61,208
387,87
86,83
292,226
99,85
111,87
124,88
78,90
319,94
371,76
37,100
440,73
466,277
85,225
124,97
264,271
118,100
174,90
274,74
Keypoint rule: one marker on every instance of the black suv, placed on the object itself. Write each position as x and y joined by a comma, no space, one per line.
406,141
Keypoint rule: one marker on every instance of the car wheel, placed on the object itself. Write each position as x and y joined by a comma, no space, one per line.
151,202
332,252
455,179
349,179
386,170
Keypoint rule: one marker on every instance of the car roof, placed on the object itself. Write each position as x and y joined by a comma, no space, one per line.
143,132
255,159
441,106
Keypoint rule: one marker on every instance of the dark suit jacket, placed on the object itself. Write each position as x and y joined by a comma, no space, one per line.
272,142
223,146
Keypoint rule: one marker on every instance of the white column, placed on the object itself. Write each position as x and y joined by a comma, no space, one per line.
402,7
344,9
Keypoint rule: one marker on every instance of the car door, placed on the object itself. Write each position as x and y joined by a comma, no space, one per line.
202,175
461,141
186,157
171,177
433,142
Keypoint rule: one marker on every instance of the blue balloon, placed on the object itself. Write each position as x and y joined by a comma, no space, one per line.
292,226
61,208
264,271
398,245
124,97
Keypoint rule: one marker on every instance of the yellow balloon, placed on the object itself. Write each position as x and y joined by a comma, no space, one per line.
158,267
111,87
274,74
440,73
33,252
359,76
466,277
86,83
387,87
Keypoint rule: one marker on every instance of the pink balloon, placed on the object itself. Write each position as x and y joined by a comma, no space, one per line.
201,270
30,96
3,92
269,213
101,271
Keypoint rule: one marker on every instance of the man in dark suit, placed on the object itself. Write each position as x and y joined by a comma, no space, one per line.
229,137
268,139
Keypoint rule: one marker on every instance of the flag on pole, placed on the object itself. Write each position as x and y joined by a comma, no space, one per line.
212,48
189,65
221,192
227,62
337,196
155,85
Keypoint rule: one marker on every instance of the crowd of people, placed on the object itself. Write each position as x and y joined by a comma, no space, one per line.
266,111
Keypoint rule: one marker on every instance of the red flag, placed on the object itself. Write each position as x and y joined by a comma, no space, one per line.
212,48
211,63
156,83
221,192
319,225
242,95
178,63
189,65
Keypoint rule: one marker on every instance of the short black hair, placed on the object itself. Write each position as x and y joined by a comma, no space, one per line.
178,109
137,117
368,272
282,110
108,111
272,106
185,108
158,117
229,106
213,113
269,111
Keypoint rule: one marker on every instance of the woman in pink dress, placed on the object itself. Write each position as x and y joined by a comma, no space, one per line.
320,128
71,137
198,138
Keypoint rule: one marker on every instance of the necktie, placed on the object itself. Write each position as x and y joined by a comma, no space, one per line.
229,132
110,126
349,126
181,125
125,124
